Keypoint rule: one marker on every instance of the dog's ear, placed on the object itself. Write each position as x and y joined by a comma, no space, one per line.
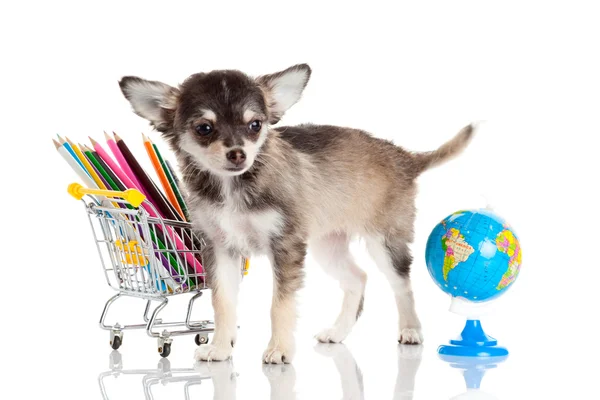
155,101
283,89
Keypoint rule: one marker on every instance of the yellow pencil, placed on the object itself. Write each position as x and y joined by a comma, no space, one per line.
74,165
87,165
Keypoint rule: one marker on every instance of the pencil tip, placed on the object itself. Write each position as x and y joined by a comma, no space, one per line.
93,141
107,136
56,144
66,139
117,137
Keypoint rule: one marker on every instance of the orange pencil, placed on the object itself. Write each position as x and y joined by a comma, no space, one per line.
162,177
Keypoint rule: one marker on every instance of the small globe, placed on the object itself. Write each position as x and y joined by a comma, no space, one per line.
474,255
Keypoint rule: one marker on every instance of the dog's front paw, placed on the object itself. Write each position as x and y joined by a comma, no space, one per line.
410,336
209,352
335,334
278,354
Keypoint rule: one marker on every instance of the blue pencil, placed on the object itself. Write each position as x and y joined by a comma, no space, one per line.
67,145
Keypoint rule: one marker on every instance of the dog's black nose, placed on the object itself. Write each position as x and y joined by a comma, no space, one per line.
236,156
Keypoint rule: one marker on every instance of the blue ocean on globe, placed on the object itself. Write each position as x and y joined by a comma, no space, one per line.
473,254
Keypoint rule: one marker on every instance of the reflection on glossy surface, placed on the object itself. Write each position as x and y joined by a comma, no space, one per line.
223,378
163,374
409,360
281,378
473,369
221,374
350,374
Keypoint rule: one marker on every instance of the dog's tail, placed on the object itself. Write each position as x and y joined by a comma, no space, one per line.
424,161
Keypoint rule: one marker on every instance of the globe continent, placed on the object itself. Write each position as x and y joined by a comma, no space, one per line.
473,254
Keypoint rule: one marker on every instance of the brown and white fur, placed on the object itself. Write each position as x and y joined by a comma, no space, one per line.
253,188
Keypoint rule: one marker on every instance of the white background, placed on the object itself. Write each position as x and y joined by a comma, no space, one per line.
414,74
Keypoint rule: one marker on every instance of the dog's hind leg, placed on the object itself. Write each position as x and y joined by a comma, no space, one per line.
333,254
392,256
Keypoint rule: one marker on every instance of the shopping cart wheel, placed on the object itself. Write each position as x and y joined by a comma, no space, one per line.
201,339
116,342
165,350
116,339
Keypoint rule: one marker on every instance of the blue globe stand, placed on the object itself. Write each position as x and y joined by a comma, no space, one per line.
473,342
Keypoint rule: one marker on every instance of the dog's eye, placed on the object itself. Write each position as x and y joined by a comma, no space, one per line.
255,125
204,129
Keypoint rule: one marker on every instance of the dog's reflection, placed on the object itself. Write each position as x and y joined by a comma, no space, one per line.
282,378
223,377
348,370
409,360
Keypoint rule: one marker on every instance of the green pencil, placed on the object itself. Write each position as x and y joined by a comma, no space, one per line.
172,182
94,160
107,176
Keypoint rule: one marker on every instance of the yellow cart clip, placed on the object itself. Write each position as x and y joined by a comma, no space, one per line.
133,196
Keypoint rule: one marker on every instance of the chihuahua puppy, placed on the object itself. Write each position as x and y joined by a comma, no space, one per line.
253,188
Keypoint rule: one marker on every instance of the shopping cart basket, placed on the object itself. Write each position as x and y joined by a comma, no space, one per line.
148,258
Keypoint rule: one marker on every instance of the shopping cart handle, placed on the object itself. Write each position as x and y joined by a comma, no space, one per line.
133,196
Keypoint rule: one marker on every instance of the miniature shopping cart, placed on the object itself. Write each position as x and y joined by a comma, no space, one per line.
150,258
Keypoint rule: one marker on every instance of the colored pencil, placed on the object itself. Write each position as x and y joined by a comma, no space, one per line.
165,200
172,181
162,205
112,145
126,168
67,144
146,182
71,160
161,250
68,157
170,263
84,166
105,183
116,184
108,170
172,171
111,184
75,165
87,166
162,177
113,165
193,262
